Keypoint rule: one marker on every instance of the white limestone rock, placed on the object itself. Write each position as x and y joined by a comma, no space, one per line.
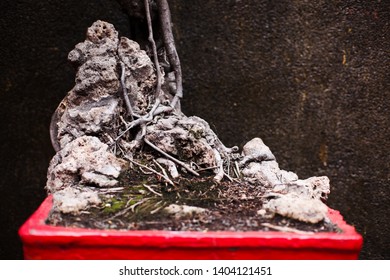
187,138
85,160
301,199
303,208
93,105
181,211
73,200
140,75
313,187
267,173
256,150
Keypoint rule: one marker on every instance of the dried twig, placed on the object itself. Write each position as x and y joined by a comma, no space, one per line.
132,207
145,172
286,229
151,190
220,173
110,190
188,168
171,166
229,177
207,168
151,169
156,210
161,168
127,209
237,169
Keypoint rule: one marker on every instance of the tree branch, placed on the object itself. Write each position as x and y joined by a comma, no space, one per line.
154,48
169,42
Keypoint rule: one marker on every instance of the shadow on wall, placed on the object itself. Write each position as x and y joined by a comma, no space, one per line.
309,77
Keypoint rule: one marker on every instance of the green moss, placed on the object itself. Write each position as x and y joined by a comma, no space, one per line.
113,205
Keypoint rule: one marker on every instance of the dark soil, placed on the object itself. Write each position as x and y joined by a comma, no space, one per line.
230,206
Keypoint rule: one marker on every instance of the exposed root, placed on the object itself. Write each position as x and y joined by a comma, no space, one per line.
129,108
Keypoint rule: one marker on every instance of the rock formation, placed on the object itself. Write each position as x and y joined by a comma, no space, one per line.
113,113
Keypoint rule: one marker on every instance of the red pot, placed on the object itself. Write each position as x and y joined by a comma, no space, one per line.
41,241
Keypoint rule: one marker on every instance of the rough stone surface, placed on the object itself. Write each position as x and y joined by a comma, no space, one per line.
140,75
86,161
300,199
263,173
256,150
97,76
190,138
290,197
73,200
300,208
179,211
261,167
88,118
313,187
94,103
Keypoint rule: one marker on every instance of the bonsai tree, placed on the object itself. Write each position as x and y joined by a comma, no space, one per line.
124,147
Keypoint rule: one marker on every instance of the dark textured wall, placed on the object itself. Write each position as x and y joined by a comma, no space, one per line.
309,77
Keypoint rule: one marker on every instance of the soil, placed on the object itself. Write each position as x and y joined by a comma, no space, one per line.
138,204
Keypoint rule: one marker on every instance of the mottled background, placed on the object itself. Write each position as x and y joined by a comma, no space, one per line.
309,77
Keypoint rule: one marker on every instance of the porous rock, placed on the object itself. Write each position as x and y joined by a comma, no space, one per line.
303,208
94,104
301,199
96,60
267,173
313,187
72,200
260,166
256,150
189,138
86,161
90,118
180,211
140,76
